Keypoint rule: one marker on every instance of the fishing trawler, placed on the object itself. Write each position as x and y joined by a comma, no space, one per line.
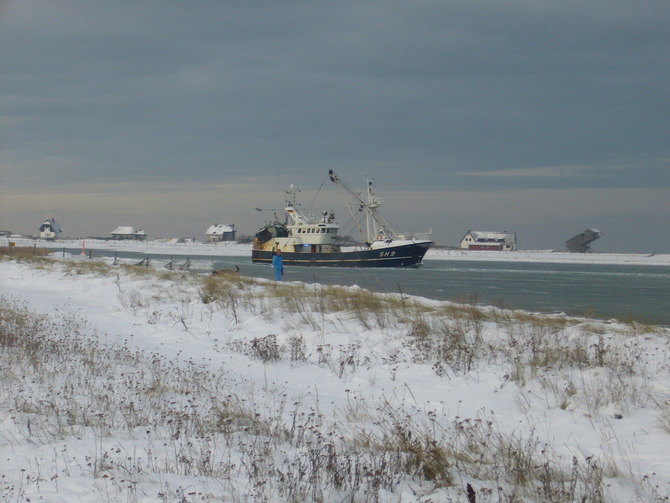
313,241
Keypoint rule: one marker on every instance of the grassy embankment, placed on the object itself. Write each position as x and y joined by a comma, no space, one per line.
62,383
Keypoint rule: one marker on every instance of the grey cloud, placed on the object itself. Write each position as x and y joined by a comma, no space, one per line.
429,93
591,178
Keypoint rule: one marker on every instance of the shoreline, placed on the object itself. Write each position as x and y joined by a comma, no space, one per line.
229,248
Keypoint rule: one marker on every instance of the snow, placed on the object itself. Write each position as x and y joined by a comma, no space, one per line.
575,395
551,256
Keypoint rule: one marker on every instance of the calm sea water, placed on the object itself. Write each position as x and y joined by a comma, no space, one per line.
641,293
623,292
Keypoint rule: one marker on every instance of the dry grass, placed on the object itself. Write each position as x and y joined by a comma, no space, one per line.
34,255
23,252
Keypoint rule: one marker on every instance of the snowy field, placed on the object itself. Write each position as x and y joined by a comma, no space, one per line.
129,384
195,248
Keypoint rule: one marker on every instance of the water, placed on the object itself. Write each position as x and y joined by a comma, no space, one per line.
641,293
624,292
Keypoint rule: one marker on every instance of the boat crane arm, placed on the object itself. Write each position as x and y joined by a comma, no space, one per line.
380,226
334,178
274,213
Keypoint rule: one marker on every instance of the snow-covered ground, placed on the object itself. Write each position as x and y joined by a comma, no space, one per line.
195,248
144,385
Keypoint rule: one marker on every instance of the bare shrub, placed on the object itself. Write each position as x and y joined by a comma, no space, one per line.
297,348
446,343
266,348
215,289
133,301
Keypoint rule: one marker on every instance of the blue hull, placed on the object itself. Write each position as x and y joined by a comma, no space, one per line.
409,255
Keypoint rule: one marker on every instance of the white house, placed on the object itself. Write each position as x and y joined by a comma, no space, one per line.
50,229
220,232
123,232
486,240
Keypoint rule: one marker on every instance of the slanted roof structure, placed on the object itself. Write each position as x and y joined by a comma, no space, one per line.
581,243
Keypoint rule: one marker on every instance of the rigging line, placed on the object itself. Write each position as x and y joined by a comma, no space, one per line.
354,219
309,207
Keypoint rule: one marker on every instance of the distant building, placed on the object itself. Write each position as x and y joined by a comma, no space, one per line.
50,229
582,241
220,232
486,240
129,233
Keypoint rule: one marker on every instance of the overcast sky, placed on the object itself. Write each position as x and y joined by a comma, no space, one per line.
539,117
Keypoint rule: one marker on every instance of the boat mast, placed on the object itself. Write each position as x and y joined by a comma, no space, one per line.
371,226
290,195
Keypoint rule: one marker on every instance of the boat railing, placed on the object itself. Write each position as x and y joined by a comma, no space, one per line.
416,236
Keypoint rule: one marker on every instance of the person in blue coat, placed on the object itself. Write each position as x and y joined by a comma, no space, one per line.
278,265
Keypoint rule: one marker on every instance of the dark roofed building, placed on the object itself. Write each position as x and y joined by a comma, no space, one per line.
50,229
124,232
220,232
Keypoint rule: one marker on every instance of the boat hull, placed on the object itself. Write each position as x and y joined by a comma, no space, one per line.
408,255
